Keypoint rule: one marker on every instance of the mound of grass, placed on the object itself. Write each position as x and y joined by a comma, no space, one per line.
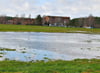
59,66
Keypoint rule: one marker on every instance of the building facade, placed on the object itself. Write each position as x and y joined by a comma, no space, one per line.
56,21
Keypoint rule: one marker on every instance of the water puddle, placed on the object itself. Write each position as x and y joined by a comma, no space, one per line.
29,46
30,55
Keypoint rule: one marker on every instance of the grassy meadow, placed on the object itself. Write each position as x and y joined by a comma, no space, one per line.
59,66
30,28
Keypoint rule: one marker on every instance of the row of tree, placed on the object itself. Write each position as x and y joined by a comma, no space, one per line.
85,21
76,22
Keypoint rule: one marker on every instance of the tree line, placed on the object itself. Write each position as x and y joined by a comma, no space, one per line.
37,20
85,21
90,21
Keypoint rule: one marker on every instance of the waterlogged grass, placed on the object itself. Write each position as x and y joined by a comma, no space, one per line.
7,49
27,28
1,56
59,66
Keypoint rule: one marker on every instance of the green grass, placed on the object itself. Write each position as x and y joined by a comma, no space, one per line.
59,66
27,28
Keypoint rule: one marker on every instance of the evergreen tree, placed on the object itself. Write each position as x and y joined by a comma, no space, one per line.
38,20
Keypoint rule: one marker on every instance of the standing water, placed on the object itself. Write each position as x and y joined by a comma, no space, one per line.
27,46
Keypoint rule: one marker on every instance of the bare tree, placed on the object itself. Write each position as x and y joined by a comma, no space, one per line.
85,22
81,22
16,16
23,16
29,15
90,21
3,19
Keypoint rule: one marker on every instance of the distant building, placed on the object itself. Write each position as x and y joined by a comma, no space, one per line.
24,21
16,20
56,21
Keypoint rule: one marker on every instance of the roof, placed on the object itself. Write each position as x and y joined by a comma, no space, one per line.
59,17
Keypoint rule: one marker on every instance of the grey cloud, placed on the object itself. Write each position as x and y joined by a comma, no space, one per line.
73,8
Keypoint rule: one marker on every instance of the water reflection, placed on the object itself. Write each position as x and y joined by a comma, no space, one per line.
30,55
37,46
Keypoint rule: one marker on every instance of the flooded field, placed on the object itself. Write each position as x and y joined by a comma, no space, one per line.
28,46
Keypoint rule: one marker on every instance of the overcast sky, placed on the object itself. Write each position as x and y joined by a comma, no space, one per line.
71,8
